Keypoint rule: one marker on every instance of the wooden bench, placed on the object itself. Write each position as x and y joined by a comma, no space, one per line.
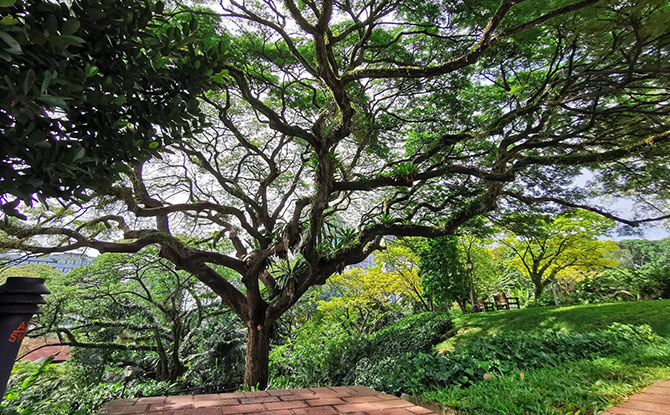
485,306
505,303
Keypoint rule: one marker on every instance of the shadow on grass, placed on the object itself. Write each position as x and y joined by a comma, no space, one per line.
584,387
579,318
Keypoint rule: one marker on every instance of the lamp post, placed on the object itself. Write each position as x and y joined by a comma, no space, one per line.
20,299
470,265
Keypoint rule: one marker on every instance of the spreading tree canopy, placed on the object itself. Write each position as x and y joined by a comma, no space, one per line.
334,123
548,249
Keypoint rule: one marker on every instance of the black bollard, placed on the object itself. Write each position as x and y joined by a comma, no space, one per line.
19,301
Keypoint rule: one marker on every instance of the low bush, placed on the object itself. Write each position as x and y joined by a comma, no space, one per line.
496,356
344,359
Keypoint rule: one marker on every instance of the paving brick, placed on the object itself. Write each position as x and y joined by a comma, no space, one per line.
396,403
274,406
325,392
227,402
255,394
317,410
279,392
360,399
170,406
151,399
363,389
200,411
649,397
645,406
201,403
419,409
343,390
299,396
391,411
241,409
121,402
259,399
207,396
386,397
357,407
231,395
279,412
326,401
661,390
122,410
626,411
347,400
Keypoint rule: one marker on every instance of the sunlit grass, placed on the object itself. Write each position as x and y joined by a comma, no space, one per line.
576,318
584,387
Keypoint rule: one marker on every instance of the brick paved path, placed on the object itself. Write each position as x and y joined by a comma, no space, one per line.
654,400
341,400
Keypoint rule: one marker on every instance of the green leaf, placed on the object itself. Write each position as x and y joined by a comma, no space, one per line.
9,21
154,145
71,26
192,106
53,101
14,47
37,373
29,82
73,40
91,71
7,3
79,153
48,76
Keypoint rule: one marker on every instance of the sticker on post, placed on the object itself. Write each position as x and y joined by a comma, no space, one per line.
18,334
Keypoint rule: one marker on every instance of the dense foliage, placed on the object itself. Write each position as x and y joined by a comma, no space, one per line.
319,358
88,86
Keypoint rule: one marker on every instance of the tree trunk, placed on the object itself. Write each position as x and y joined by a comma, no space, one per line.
463,307
258,351
538,285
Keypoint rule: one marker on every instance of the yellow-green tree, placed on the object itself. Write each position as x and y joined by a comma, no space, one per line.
361,299
548,249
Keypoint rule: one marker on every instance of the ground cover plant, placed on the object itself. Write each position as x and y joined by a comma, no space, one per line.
573,375
586,386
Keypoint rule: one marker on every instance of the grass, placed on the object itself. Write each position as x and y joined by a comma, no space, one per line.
577,318
582,387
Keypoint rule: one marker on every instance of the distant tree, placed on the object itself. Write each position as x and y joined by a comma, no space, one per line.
131,303
47,272
399,258
444,276
364,300
544,248
648,262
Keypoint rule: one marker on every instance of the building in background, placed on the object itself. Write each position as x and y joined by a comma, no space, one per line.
62,262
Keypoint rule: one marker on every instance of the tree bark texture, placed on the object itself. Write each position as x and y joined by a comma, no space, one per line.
258,351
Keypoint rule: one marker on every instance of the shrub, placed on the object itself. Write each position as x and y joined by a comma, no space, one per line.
344,359
500,355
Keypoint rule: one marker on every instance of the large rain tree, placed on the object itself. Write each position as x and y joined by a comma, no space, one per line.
335,123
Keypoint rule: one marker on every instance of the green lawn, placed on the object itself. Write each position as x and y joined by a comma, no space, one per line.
578,318
582,387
